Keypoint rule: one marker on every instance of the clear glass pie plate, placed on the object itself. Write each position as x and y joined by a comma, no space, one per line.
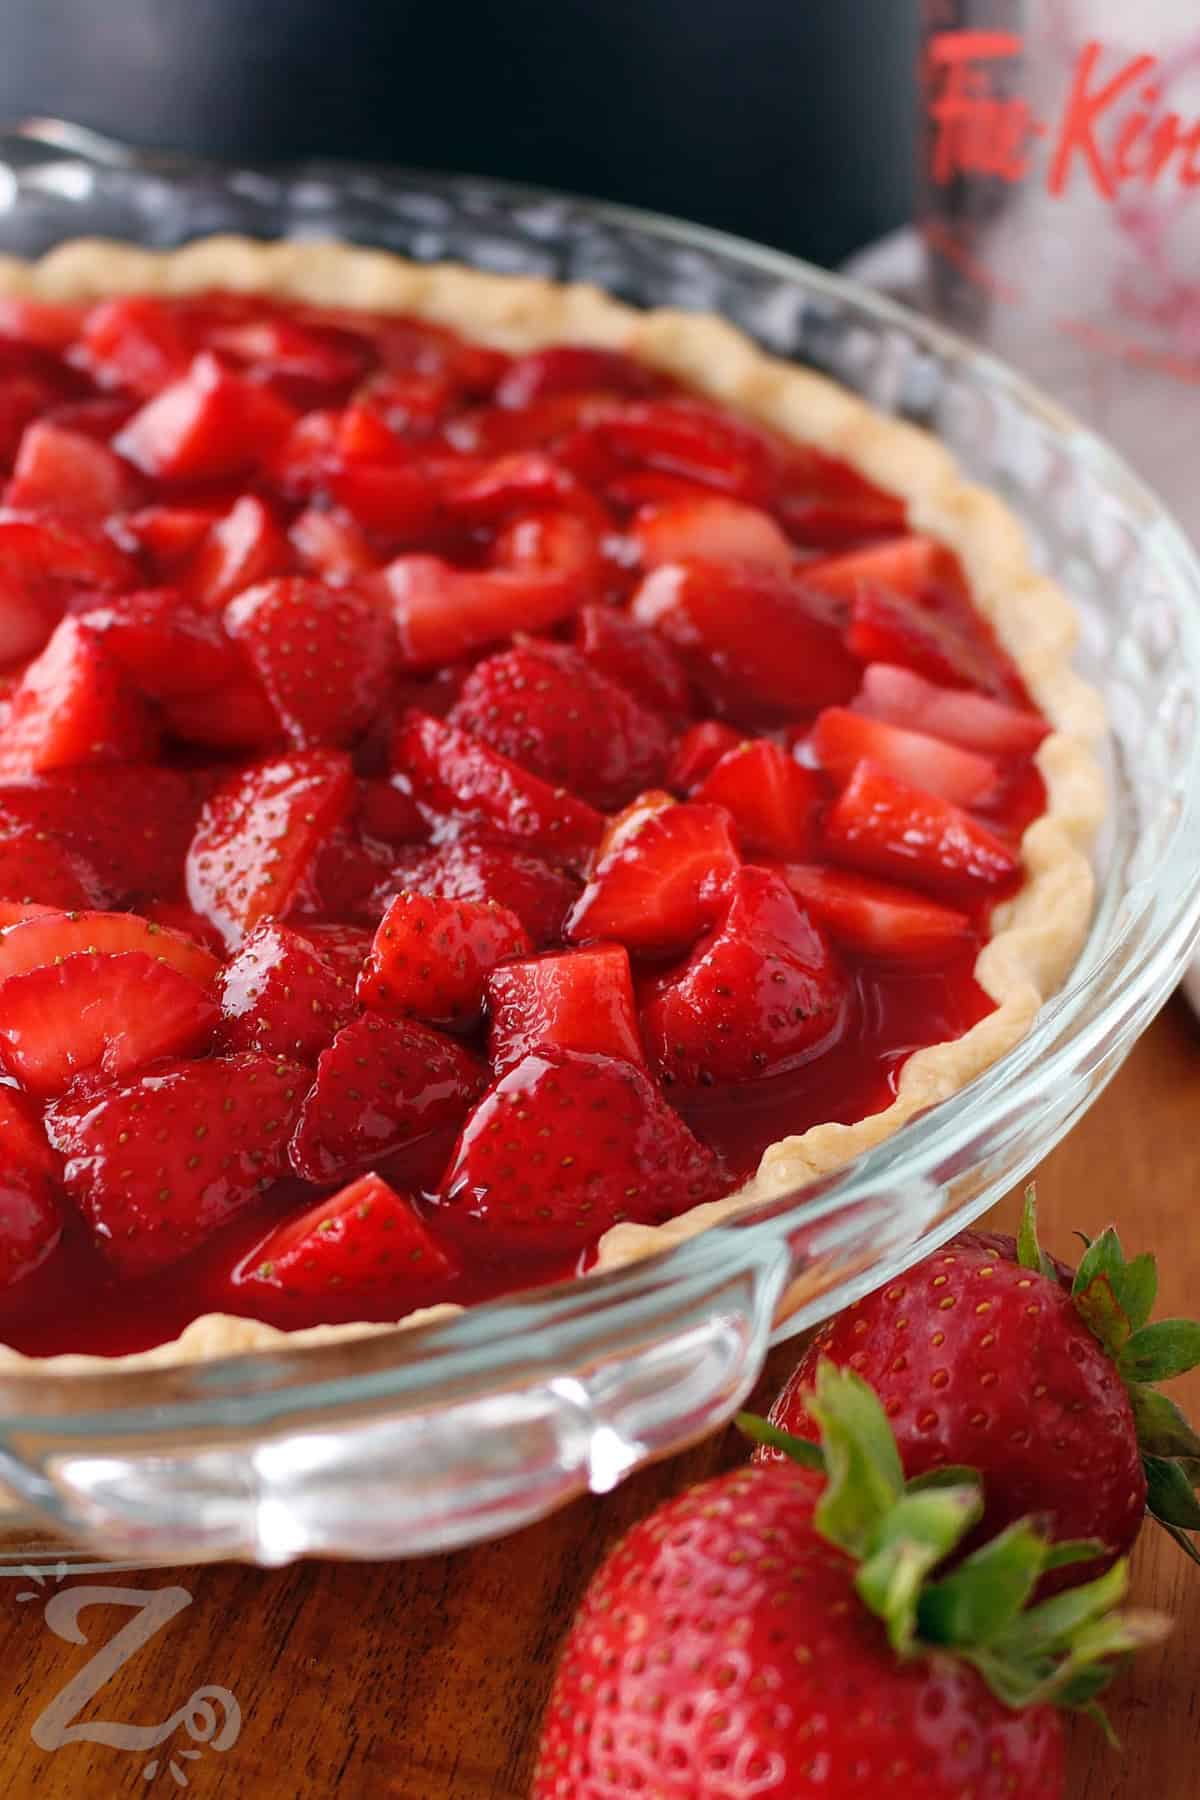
419,1440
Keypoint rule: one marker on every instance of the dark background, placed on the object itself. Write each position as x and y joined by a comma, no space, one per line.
786,120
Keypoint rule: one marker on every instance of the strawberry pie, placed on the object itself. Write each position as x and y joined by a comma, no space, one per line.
491,781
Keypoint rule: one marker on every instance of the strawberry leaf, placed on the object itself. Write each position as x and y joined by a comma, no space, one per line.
796,1449
987,1591
1132,1288
1103,1314
918,1532
1170,1495
865,1476
1162,1429
1159,1351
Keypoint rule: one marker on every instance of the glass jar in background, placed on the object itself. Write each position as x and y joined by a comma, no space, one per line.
1059,209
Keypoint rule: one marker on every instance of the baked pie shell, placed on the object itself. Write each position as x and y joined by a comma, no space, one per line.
1036,936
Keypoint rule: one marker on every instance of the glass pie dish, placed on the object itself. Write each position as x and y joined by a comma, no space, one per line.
422,1439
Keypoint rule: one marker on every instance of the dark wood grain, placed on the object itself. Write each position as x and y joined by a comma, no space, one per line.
425,1681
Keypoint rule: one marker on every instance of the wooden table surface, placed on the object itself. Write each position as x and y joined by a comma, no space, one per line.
425,1681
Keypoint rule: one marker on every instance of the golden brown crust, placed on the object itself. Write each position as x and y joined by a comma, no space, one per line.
1037,935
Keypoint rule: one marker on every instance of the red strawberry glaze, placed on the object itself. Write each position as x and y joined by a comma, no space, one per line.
235,435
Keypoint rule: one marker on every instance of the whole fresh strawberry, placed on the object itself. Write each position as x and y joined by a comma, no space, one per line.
779,1635
989,1353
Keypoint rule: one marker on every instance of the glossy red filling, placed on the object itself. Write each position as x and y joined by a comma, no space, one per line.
374,667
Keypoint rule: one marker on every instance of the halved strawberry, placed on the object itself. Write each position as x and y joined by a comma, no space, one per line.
945,644
543,568
343,947
23,1144
699,750
883,826
538,894
902,697
166,647
841,739
125,826
33,864
662,885
156,1165
876,917
207,425
773,801
113,1013
823,502
624,826
572,369
904,565
431,957
30,1222
331,543
761,646
381,1083
452,775
713,529
73,706
14,912
548,709
69,473
680,437
44,563
639,659
259,833
167,536
575,1000
177,916
136,342
377,478
565,1145
366,1241
756,996
50,938
279,996
245,545
322,654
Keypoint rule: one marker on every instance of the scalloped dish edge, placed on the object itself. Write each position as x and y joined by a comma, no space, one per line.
1037,935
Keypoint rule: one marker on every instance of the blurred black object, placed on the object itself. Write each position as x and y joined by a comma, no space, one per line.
789,121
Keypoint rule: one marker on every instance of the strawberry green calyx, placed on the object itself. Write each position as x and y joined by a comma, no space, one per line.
1061,1651
1115,1297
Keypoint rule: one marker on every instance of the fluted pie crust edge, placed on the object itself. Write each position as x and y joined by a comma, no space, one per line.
1036,936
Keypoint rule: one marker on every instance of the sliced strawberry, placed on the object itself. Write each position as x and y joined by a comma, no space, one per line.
883,826
165,647
500,430
136,342
14,912
904,565
625,825
305,361
343,947
178,917
841,740
385,814
823,502
699,750
875,917
30,1222
538,894
23,1145
574,1000
259,833
431,957
901,697
68,472
679,437
573,369
45,324
125,826
322,654
51,938
156,1165
565,1145
331,543
762,648
73,706
23,398
350,879
244,546
713,529
664,884
168,537
412,405
547,708
452,775
279,996
756,996
773,801
33,864
945,644
208,425
639,659
377,478
244,720
498,489
97,1012
366,1241
381,1083
44,563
